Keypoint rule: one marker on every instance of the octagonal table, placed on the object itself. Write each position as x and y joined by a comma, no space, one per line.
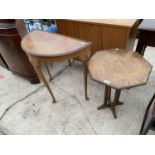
118,69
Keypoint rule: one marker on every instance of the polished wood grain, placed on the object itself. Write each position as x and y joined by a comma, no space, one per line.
103,33
118,69
43,47
50,44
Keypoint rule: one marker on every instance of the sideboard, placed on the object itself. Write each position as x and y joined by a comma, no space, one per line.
103,33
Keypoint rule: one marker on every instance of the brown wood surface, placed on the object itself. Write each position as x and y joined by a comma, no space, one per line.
21,28
113,22
119,68
42,43
43,47
104,34
11,52
147,24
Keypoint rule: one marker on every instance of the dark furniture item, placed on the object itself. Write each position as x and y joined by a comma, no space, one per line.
118,69
3,63
146,35
12,56
151,124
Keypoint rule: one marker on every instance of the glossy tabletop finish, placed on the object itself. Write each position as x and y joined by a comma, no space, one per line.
119,69
40,43
44,47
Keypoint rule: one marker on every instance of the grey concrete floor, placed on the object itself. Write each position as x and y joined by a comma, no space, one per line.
28,109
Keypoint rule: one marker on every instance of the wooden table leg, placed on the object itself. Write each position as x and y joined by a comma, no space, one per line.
107,96
69,62
116,98
47,68
108,102
85,70
41,76
116,102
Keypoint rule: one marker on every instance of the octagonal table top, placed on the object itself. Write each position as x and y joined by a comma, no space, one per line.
119,68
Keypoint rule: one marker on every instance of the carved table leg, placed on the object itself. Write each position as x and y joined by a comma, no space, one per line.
41,76
49,73
85,70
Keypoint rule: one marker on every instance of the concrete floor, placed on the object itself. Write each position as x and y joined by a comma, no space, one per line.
28,109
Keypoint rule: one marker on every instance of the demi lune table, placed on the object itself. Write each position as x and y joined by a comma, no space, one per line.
43,47
118,69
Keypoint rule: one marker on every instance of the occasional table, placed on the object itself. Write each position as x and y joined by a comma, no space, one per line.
146,35
43,47
118,69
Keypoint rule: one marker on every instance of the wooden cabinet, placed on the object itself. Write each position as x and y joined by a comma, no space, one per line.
11,54
2,62
104,34
146,35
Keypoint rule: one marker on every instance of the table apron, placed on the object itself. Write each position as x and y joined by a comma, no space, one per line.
60,58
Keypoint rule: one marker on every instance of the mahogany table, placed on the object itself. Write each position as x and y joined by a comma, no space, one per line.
43,47
118,69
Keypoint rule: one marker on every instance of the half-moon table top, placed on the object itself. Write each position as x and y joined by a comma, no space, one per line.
41,43
119,68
